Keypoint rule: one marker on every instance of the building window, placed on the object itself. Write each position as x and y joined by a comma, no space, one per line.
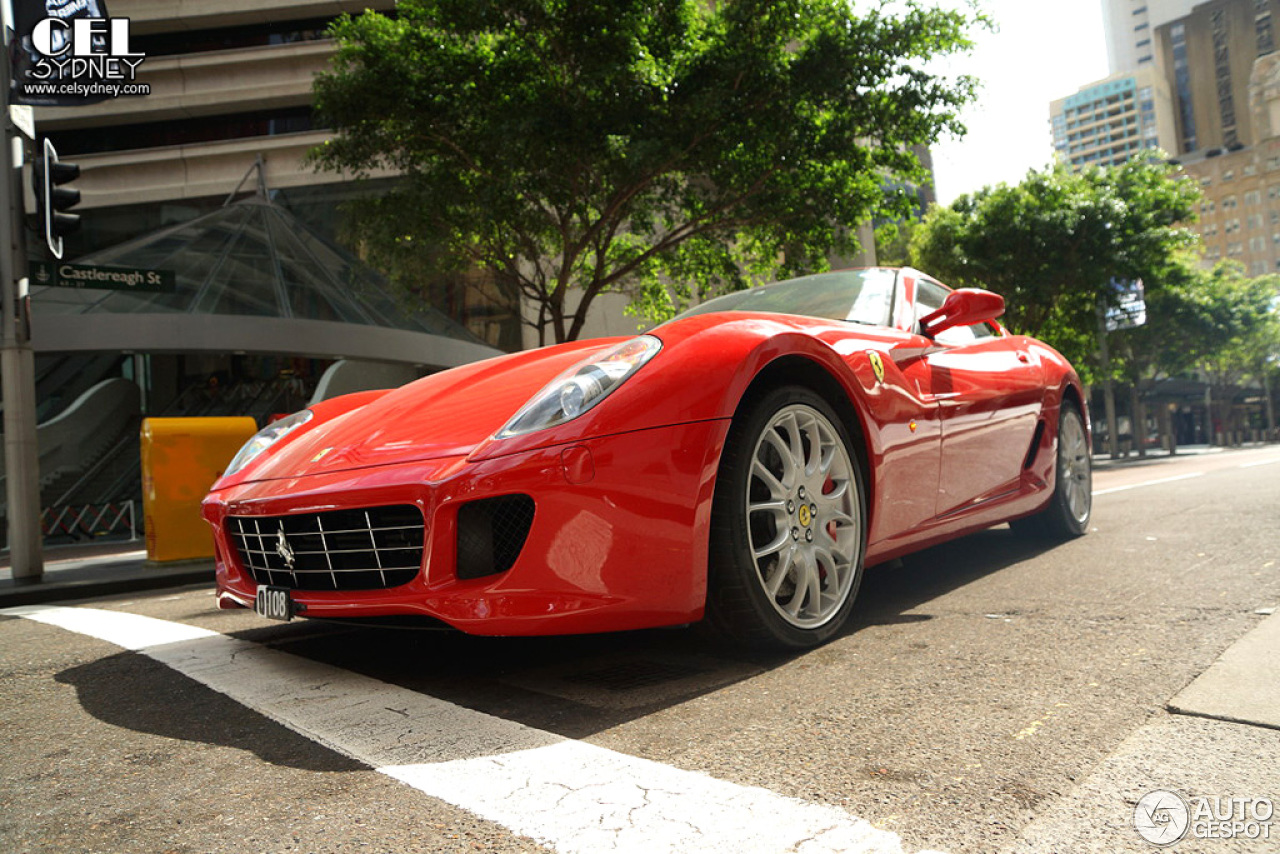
1182,82
184,131
1262,27
1222,76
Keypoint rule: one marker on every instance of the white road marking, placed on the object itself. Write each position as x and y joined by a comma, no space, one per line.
570,795
1260,463
1098,492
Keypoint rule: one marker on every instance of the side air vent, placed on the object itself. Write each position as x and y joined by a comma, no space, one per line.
491,533
1035,445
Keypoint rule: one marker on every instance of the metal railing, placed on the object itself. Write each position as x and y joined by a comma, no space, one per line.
91,521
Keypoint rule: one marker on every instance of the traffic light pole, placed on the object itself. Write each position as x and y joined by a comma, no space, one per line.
17,361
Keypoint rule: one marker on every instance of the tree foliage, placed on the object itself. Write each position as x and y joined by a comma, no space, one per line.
667,146
1231,322
1051,244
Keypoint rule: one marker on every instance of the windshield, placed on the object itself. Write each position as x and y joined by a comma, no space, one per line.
859,296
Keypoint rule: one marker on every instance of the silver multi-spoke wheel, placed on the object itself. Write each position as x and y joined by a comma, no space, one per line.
788,524
1074,467
803,516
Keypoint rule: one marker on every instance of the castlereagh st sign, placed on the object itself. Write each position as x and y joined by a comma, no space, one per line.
60,275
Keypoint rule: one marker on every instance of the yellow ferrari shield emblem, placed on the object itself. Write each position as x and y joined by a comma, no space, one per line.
805,516
877,365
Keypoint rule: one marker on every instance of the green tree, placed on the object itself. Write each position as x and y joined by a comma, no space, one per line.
1051,244
669,147
1235,333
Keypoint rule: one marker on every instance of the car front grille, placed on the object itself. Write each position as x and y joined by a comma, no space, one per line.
368,549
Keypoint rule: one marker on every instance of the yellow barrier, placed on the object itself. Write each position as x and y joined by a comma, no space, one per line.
181,458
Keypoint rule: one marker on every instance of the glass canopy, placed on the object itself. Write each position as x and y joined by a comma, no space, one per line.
252,258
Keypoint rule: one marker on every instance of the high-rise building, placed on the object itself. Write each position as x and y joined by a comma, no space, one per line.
1209,56
1240,212
1107,122
1129,26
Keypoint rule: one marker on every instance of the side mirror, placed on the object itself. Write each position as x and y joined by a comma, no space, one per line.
963,307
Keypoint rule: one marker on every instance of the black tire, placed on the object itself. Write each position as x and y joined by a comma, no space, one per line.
783,519
1067,514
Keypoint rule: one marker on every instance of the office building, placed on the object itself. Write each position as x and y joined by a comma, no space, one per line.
1107,122
269,311
1240,213
1208,58
1129,27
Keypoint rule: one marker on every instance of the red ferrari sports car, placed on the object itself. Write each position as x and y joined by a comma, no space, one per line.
741,463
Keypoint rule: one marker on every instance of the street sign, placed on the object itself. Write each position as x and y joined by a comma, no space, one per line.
59,275
1130,309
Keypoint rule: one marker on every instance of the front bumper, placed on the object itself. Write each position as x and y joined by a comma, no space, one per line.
618,539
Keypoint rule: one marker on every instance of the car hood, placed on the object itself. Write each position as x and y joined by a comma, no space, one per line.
444,415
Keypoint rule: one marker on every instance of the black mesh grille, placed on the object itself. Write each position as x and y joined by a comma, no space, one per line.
368,549
491,533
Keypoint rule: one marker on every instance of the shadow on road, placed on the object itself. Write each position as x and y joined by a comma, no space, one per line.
133,692
572,686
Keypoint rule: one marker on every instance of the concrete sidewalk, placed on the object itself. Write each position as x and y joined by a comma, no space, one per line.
1215,741
1159,455
98,569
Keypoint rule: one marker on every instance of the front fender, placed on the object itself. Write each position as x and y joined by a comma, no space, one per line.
706,366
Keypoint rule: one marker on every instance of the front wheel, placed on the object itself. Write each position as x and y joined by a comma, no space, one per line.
1070,508
788,524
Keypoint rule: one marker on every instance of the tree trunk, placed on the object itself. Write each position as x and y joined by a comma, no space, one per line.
1138,416
1271,407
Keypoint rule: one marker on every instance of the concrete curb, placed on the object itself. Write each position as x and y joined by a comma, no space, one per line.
105,580
1242,686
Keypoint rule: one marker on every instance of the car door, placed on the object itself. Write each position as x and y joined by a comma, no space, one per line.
989,387
908,423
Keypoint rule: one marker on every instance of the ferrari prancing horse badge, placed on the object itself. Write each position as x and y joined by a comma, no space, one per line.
877,364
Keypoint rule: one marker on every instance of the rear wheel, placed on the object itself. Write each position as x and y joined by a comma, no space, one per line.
788,524
1068,512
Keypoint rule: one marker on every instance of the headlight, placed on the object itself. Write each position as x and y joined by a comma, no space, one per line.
581,387
265,438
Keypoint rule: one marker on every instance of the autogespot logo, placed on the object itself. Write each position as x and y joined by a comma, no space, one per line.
1162,818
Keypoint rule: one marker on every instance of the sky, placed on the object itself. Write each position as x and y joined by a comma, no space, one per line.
1043,51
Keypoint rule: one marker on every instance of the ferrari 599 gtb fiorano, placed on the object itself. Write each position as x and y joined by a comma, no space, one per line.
741,463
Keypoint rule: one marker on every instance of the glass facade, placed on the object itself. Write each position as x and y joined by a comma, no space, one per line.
1182,83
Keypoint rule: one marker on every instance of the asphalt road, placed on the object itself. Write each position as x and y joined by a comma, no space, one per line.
978,685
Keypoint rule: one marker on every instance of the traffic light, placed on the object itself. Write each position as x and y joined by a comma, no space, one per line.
52,199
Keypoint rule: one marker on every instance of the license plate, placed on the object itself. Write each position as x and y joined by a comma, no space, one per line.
274,603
